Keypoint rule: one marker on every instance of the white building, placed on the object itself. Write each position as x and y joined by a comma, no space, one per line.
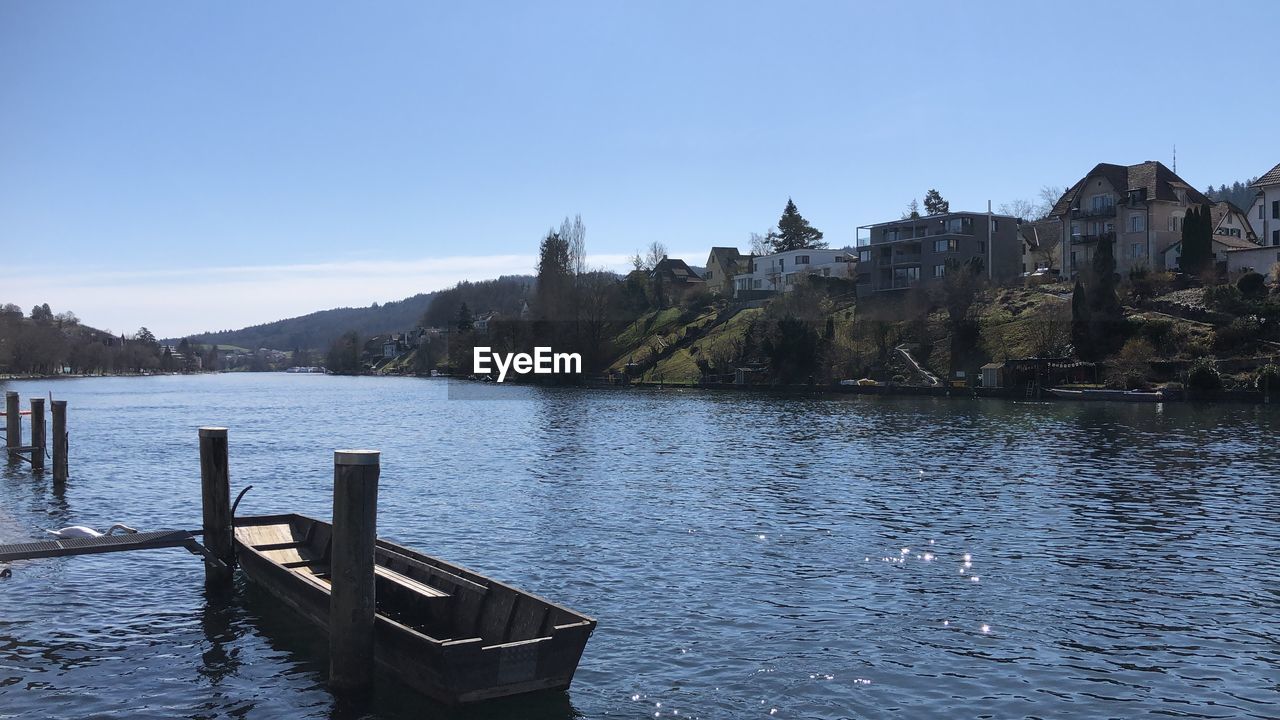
1259,259
780,272
1264,214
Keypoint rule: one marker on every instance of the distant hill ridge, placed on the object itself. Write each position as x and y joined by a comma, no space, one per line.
317,330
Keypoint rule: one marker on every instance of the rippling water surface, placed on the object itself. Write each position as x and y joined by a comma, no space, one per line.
746,555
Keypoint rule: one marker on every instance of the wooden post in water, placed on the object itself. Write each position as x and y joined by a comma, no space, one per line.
12,423
37,433
59,408
351,601
215,497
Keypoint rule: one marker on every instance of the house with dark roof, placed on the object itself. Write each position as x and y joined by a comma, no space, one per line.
1139,207
722,264
1041,244
675,275
1264,214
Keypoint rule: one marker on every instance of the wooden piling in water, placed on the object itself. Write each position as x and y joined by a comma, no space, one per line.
215,498
59,409
37,433
12,423
352,599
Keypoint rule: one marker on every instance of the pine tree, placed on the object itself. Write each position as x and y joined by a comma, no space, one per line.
1080,317
913,210
465,320
1197,240
934,204
794,232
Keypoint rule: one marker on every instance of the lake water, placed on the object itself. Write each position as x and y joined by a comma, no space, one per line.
746,555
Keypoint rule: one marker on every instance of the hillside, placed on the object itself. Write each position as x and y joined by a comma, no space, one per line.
315,331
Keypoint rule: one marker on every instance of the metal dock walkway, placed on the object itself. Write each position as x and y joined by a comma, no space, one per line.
106,544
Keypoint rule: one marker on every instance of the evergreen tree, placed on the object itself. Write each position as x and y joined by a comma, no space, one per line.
1197,240
913,210
1080,317
465,321
794,232
934,204
555,273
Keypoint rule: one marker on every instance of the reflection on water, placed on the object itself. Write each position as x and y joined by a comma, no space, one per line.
746,555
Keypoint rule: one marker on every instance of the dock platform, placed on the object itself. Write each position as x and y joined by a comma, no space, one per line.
105,544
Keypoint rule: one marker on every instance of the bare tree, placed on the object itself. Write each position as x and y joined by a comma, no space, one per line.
575,233
1049,195
760,244
1020,208
656,254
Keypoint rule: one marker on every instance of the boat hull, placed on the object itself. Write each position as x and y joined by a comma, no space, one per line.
505,654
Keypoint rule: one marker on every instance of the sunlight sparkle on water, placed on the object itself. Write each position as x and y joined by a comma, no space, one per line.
986,629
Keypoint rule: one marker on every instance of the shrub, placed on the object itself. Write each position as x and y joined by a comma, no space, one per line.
1130,368
1159,332
1268,378
1239,335
1203,375
1252,286
1225,298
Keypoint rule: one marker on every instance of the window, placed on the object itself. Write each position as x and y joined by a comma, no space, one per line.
1073,260
939,271
946,246
1075,229
802,259
782,263
826,272
1275,209
995,225
1174,221
1135,250
1137,223
1109,227
892,235
1275,237
982,246
959,226
757,284
708,273
864,256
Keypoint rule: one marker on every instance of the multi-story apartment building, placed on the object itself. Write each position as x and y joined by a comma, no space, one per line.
1140,207
1264,214
903,253
780,272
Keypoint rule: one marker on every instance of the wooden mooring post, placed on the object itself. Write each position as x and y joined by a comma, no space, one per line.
352,600
59,409
37,433
12,424
215,498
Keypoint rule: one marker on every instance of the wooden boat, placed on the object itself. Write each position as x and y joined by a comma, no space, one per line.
1121,395
452,634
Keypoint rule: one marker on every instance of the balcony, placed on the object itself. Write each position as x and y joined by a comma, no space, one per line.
1105,211
1086,239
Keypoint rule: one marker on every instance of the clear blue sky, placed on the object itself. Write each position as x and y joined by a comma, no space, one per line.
202,165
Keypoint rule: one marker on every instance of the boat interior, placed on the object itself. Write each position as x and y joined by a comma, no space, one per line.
446,603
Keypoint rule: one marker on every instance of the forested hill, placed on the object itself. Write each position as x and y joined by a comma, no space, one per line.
317,330
1239,193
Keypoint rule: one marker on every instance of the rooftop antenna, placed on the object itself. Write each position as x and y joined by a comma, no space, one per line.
1175,158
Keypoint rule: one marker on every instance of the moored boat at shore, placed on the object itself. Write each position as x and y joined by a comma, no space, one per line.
452,634
1119,395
